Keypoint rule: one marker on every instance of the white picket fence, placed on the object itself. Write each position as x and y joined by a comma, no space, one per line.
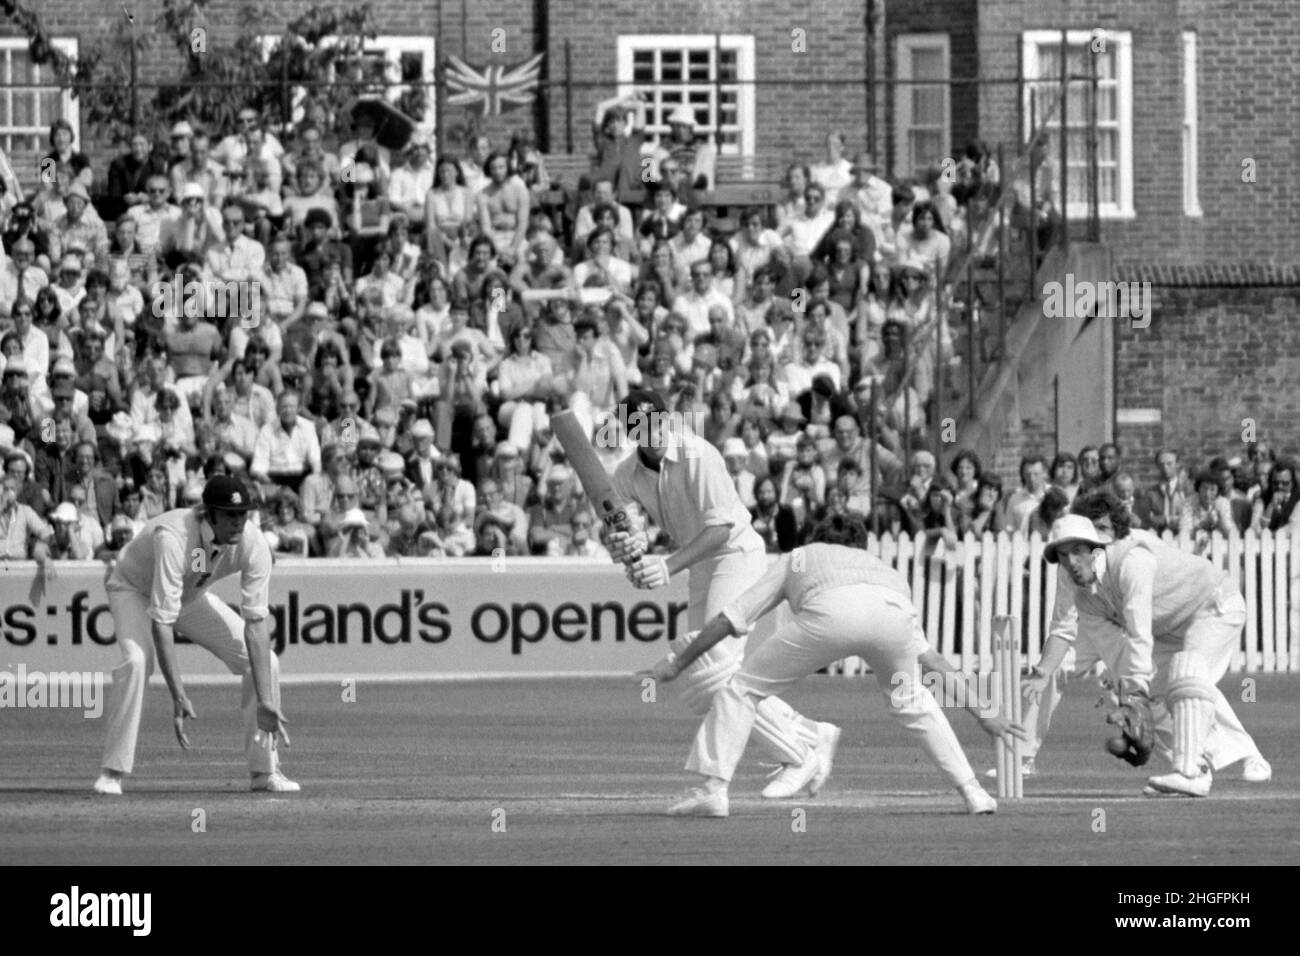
960,592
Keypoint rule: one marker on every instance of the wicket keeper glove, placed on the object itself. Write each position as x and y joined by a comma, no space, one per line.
1136,725
649,572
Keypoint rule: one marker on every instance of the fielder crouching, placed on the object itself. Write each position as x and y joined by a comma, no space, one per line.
844,601
1165,623
159,588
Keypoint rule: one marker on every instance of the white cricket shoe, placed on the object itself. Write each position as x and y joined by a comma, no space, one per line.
1027,769
1179,784
1256,770
790,779
978,800
273,783
108,785
828,738
702,802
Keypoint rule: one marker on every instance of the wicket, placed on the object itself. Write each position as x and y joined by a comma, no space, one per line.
1006,665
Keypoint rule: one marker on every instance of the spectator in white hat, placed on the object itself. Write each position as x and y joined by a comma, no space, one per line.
697,158
736,457
195,231
73,539
354,540
80,225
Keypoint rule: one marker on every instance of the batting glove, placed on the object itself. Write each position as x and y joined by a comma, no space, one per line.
649,572
626,547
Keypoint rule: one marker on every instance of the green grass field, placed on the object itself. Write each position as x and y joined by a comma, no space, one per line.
580,771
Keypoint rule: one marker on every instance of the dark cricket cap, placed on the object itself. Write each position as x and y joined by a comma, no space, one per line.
226,494
639,398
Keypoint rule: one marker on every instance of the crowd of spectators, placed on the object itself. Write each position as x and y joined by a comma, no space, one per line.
376,341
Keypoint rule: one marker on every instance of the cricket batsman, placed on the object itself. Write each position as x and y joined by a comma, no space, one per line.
159,589
681,482
844,601
1165,623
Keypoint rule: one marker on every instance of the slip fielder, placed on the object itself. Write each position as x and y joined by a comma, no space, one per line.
681,481
845,601
159,588
1165,623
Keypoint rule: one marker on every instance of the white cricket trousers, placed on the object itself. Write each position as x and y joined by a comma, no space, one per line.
873,622
1213,635
206,622
786,736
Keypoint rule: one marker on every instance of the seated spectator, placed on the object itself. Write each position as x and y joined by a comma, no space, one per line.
603,196
23,224
1279,512
966,470
310,150
602,270
119,534
507,516
695,157
508,472
1024,501
803,232
736,457
1206,512
287,449
662,222
18,466
201,170
782,445
584,543
925,242
25,536
549,521
73,539
409,184
80,226
774,522
236,153
292,535
20,280
354,539
986,516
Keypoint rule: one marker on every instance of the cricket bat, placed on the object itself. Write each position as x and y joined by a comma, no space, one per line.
592,474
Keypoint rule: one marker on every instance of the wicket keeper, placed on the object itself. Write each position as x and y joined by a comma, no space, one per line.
1165,623
159,589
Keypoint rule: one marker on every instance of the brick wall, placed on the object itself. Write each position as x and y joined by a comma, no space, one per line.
1211,358
799,98
1248,105
1031,433
960,21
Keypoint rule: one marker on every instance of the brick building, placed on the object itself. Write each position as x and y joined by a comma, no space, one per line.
1195,121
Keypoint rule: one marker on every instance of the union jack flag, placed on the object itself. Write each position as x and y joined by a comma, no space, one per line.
496,87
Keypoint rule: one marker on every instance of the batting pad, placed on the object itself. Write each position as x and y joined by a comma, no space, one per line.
1192,700
781,731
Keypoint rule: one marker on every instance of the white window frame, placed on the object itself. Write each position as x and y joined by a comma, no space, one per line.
68,104
1191,157
1122,43
905,45
393,47
741,44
